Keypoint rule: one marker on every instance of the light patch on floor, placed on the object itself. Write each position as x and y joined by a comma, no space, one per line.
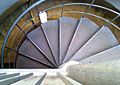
52,80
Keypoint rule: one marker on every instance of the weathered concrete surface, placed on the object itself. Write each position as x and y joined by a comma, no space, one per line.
8,6
84,31
9,76
102,40
28,81
67,80
52,80
11,80
107,55
106,73
32,80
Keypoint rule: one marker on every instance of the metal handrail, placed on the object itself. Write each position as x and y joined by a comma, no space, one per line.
88,8
76,4
86,4
10,30
73,12
39,2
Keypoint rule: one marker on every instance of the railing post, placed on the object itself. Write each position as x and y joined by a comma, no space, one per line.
87,10
31,16
62,8
20,28
110,22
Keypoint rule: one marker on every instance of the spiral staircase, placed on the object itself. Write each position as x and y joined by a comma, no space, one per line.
77,47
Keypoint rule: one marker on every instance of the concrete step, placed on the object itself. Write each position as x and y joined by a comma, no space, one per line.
9,81
67,29
67,80
8,75
104,73
2,74
107,55
101,41
26,62
37,36
52,80
85,30
51,32
32,80
28,49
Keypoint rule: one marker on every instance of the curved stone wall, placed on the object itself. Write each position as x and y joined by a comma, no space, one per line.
8,6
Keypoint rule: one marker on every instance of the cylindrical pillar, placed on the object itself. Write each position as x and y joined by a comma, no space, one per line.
105,73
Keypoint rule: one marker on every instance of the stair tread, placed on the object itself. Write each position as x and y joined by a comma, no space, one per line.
85,30
67,29
8,76
9,81
28,81
38,37
32,80
105,73
52,80
102,40
110,54
67,80
50,29
23,62
2,74
29,49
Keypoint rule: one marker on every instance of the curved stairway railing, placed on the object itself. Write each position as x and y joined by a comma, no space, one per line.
21,31
10,18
